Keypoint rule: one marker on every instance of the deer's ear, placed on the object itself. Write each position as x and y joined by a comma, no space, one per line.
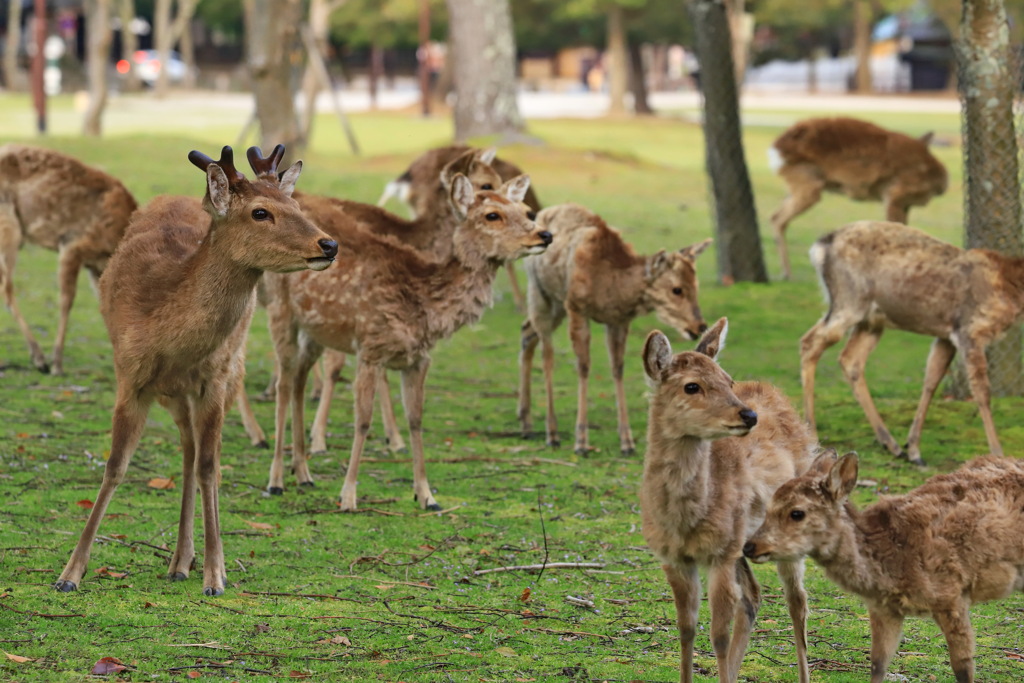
289,178
657,355
927,137
218,188
487,156
515,189
713,341
824,462
842,478
655,266
694,250
461,194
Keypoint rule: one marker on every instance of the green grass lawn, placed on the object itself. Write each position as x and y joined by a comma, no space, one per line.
391,594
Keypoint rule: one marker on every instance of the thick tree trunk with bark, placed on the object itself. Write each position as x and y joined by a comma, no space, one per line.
168,29
862,45
129,43
737,240
988,88
98,37
274,57
14,77
618,61
638,80
483,55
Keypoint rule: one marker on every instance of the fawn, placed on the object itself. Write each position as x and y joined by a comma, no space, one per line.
878,275
953,541
55,201
855,158
177,299
590,273
389,305
716,451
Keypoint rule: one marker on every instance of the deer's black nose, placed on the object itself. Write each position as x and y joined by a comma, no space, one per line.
545,236
703,328
749,417
749,548
329,247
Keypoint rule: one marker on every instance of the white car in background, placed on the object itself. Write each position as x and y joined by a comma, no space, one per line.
147,66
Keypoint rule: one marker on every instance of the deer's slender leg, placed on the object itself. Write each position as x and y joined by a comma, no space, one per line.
286,348
579,334
208,418
334,362
413,386
804,192
685,584
955,623
616,339
939,358
184,555
853,360
792,575
743,617
977,378
886,630
309,353
256,435
723,600
364,386
129,419
10,241
69,264
392,433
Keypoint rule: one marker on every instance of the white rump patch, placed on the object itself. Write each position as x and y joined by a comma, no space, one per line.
775,160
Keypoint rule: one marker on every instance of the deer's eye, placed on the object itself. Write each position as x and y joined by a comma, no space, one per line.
797,515
260,215
532,215
487,186
678,291
492,216
691,388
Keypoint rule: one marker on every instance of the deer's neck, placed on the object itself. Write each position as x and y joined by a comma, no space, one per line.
632,287
216,292
457,294
676,479
847,557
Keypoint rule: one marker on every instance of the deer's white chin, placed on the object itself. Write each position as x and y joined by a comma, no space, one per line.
319,263
536,249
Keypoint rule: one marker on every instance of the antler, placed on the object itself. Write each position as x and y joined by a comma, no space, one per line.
265,168
226,163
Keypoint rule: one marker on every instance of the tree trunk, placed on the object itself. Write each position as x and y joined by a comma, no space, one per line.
274,55
376,71
737,239
98,39
129,43
737,14
483,54
862,45
638,80
167,31
14,78
617,67
991,169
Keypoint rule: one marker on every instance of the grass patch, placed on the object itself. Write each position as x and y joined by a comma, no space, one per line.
389,594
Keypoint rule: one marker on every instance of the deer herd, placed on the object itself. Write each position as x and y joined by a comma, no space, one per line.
731,471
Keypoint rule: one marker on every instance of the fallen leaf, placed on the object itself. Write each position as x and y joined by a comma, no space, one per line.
18,658
161,483
336,640
259,525
105,571
107,665
525,597
506,651
85,504
297,674
194,674
22,435
385,586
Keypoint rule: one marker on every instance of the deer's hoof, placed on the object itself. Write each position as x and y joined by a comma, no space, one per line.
307,484
629,450
275,490
433,507
65,586
554,443
262,444
213,592
582,451
177,576
44,368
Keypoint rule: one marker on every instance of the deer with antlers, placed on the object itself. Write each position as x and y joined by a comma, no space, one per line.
879,275
55,201
856,158
952,542
389,305
590,273
177,299
716,451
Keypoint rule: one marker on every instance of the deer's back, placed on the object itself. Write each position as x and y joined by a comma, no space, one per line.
957,534
902,277
863,159
59,200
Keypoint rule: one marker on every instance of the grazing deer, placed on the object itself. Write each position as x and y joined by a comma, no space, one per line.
177,298
878,275
55,201
389,305
855,158
708,477
590,273
952,542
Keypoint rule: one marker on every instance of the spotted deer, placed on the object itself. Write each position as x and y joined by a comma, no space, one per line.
935,551
177,299
856,158
879,275
55,201
590,273
716,451
388,304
